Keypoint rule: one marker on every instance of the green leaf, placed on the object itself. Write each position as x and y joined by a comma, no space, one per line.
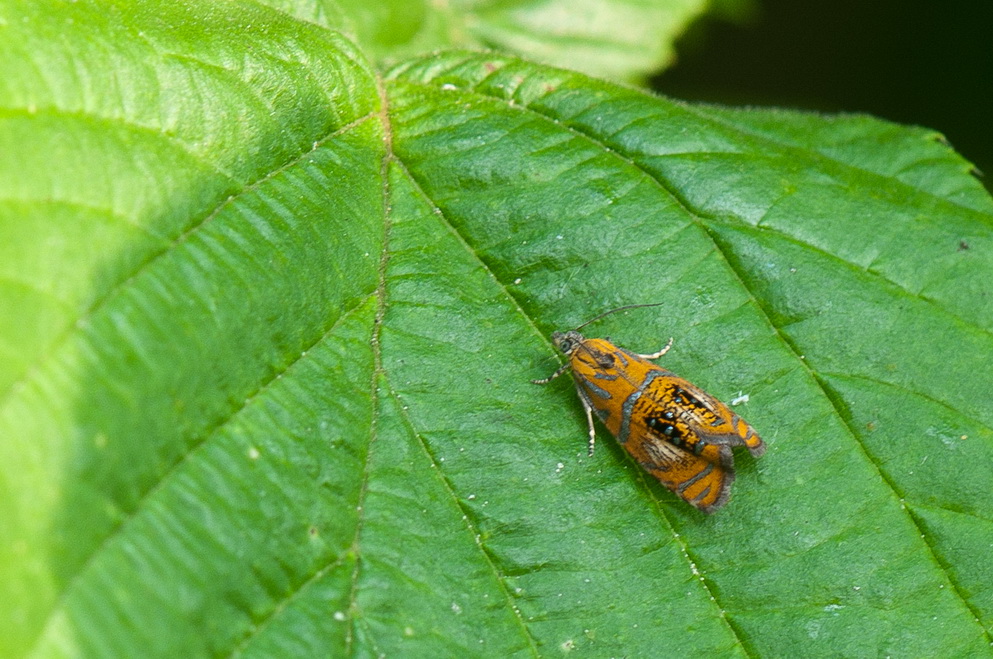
270,318
620,39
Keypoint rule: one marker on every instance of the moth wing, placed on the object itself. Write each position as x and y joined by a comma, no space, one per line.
717,424
702,480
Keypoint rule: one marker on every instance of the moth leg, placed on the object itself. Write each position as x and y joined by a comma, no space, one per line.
562,369
656,355
589,420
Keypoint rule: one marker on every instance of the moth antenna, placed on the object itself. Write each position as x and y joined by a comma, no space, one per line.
624,308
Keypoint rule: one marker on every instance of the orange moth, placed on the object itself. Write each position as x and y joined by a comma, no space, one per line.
676,431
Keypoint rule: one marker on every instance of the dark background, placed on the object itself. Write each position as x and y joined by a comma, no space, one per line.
919,62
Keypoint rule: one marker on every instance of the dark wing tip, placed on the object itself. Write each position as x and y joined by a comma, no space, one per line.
758,449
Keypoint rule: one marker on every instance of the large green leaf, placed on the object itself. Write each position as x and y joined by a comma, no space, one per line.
270,316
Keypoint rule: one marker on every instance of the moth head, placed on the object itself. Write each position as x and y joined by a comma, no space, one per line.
567,342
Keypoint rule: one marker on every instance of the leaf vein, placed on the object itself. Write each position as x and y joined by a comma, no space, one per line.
812,153
838,413
692,563
490,559
919,394
117,289
194,449
876,275
696,216
283,603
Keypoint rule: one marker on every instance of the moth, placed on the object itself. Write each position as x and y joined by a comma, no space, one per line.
676,431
